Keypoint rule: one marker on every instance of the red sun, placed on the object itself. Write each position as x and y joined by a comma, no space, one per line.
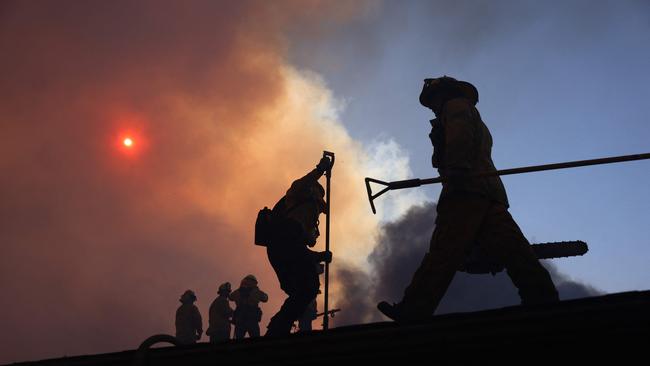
130,143
130,138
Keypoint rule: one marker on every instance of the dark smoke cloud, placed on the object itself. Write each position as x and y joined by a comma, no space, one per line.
399,250
452,31
354,298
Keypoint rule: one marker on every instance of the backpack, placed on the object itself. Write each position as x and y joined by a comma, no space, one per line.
267,222
263,227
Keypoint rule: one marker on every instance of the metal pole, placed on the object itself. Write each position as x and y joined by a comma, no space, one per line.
410,183
328,175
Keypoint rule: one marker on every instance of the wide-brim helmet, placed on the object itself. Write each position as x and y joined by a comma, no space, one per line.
225,287
437,87
248,281
188,297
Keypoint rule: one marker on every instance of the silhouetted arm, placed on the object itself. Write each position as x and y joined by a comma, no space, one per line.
234,296
460,129
263,296
300,189
198,321
319,257
228,310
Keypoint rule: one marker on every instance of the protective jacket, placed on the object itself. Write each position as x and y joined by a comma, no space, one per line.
188,323
253,298
297,229
220,313
462,144
304,203
247,300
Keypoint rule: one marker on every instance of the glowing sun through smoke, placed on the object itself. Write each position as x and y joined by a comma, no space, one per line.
130,134
128,143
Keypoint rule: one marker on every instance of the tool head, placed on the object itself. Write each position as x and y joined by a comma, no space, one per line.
371,197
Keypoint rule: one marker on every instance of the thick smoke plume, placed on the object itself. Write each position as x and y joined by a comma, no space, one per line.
98,240
400,248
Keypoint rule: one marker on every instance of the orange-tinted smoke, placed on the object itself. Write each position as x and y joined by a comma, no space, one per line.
98,243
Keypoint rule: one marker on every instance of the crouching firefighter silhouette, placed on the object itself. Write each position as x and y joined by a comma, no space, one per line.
471,211
294,229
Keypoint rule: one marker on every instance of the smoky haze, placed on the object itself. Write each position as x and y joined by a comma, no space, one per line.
400,247
99,241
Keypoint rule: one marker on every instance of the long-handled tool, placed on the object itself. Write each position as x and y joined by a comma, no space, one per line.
328,175
410,183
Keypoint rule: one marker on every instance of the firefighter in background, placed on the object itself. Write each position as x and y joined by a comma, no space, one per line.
295,231
220,315
471,211
189,325
247,315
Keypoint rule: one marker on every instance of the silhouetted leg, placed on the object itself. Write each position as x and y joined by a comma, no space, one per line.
240,331
502,239
220,334
293,307
304,325
186,338
254,330
458,223
300,281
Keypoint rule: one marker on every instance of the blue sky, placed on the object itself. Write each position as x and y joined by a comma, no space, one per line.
558,81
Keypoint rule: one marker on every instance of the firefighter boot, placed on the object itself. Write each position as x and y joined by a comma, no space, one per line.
392,311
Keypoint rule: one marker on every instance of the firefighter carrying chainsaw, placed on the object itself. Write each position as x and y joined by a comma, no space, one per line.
472,212
288,231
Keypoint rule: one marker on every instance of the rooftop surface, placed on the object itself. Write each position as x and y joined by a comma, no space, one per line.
589,329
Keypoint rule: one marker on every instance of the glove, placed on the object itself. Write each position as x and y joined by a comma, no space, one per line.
456,177
324,164
325,257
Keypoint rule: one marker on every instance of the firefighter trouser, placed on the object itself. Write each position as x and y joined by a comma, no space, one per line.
248,325
299,279
465,220
219,333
